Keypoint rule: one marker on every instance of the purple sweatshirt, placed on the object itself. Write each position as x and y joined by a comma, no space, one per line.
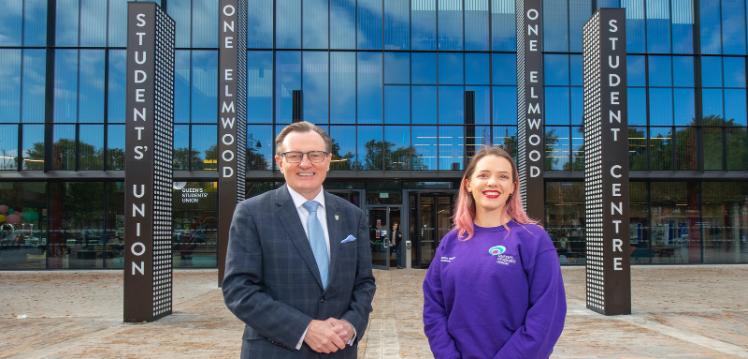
498,295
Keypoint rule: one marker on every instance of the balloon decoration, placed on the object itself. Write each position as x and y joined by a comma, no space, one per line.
13,218
2,218
3,209
30,215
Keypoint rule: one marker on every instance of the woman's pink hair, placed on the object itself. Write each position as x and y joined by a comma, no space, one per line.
465,207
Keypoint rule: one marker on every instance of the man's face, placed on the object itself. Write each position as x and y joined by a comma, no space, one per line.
304,177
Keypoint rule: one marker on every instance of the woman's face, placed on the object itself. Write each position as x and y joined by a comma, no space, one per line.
491,183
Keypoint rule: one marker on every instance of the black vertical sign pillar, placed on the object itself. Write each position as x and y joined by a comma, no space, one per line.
148,163
530,107
606,167
232,118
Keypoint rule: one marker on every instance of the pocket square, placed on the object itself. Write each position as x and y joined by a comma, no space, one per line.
350,238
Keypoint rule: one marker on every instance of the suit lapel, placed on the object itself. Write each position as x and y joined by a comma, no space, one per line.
335,232
289,217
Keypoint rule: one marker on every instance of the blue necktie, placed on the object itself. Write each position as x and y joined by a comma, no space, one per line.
317,240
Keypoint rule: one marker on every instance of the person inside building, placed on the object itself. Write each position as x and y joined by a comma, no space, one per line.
298,265
396,242
494,288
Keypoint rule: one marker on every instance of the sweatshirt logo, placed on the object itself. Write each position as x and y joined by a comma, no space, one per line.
497,250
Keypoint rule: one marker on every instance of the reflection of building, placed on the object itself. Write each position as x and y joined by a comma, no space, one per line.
388,80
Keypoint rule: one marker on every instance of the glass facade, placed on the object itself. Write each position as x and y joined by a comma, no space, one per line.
388,80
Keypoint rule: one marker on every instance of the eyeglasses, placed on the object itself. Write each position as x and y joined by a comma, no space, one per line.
297,156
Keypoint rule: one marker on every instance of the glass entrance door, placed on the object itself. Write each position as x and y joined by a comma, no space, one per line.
430,219
384,235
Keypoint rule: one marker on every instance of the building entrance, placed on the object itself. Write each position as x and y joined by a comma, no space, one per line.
385,236
430,219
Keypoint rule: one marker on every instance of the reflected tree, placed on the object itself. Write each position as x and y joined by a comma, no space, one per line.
382,155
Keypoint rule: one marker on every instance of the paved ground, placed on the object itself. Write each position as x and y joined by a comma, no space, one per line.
679,312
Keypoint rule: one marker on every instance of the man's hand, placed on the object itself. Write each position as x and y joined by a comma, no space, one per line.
343,328
322,337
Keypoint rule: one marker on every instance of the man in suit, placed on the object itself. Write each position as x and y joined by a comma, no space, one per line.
298,266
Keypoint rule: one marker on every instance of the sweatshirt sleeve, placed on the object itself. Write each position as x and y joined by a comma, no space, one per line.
544,320
435,313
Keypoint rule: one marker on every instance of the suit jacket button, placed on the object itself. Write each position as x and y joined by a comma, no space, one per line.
322,300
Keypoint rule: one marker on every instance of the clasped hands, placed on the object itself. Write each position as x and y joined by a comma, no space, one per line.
328,336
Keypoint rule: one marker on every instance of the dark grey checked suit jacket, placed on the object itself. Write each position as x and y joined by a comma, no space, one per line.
272,282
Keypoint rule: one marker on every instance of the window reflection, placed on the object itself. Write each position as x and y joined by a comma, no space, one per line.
204,147
450,24
556,69
179,10
8,147
33,147
287,79
182,156
661,148
204,24
503,27
399,155
182,70
683,71
660,106
682,19
565,220
424,68
482,109
11,23
709,16
93,17
658,26
451,148
344,147
557,105
476,24
116,91
10,63
424,139
343,87
555,25
91,88
424,104
660,71
195,224
396,68
369,87
33,86
369,24
450,69
66,21
370,148
260,147
504,69
685,148
733,27
635,35
423,24
504,105
116,147
637,148
259,87
557,147
315,24
91,147
396,25
63,152
23,239
477,69
397,104
259,24
734,71
674,209
342,24
451,104
315,90
204,86
713,145
66,86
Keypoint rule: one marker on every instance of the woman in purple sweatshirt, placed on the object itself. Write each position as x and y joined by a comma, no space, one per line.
494,288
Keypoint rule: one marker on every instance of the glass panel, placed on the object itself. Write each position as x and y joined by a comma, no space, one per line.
179,10
10,82
259,87
737,142
117,23
503,29
370,149
685,106
35,22
557,105
710,26
63,152
67,23
11,20
315,80
682,18
577,148
451,148
639,223
685,148
556,69
476,25
116,147
450,69
450,24
396,25
683,71
579,13
378,237
725,225
735,113
482,104
451,105
660,106
369,24
182,86
8,147
424,143
658,26
637,148
396,68
557,144
343,87
342,24
93,15
423,24
343,148
733,27
91,90
260,147
117,66
576,69
565,220
674,221
635,71
259,24
424,104
734,71
91,147
423,68
182,154
195,227
634,25
637,106
713,148
711,71
577,106
25,241
115,225
504,69
661,148
205,24
477,69
204,148
288,24
555,25
369,102
66,86
314,32
287,79
33,147
660,71
712,104
397,104
505,105
204,86
398,152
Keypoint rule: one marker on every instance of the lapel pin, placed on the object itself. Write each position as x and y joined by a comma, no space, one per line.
337,217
